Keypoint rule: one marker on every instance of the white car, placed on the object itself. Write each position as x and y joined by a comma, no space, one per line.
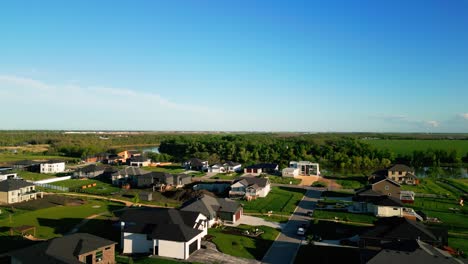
301,231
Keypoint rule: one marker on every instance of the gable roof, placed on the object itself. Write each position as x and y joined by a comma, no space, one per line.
415,252
196,162
399,228
61,250
13,184
268,166
208,205
231,163
380,199
388,180
253,181
91,168
162,223
139,159
399,167
131,171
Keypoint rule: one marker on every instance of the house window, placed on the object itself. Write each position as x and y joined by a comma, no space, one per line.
99,256
389,194
108,248
400,172
387,188
395,208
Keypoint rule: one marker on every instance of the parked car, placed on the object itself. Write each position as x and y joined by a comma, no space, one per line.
301,231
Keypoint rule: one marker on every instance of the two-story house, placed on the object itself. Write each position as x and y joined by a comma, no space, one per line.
16,191
162,232
227,167
128,175
262,168
71,249
196,164
215,209
52,166
301,168
250,187
402,174
89,171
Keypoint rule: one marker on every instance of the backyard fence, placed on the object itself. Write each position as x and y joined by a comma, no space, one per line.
53,187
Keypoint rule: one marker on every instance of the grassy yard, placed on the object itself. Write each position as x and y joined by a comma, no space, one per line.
283,180
459,183
459,242
227,176
101,188
33,176
173,169
10,157
430,186
402,146
55,221
280,200
344,216
231,241
349,181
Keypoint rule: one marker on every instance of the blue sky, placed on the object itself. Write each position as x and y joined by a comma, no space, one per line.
384,66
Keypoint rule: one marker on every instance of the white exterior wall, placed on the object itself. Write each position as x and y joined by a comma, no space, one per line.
204,227
290,172
216,170
52,167
136,243
264,192
235,168
7,176
172,249
387,211
21,195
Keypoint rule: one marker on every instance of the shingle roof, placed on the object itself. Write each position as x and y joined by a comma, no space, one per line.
196,162
388,180
208,206
415,252
161,223
250,181
61,250
382,200
92,168
132,171
399,228
139,159
399,167
13,184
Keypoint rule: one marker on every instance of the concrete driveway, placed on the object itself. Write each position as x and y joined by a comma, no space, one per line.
256,221
286,245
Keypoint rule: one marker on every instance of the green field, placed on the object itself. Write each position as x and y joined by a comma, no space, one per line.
280,200
9,157
230,242
430,186
55,221
33,176
283,180
344,216
401,146
173,169
101,188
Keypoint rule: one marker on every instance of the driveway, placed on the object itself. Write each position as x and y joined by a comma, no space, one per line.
211,255
286,245
256,221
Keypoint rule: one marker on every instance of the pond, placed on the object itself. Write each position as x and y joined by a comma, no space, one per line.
151,149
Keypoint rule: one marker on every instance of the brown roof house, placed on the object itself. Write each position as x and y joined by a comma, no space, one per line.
399,173
72,249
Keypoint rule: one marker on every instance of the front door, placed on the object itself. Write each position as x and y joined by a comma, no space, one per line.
156,250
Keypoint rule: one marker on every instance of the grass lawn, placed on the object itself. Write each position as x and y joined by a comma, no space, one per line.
173,169
33,176
280,200
344,216
349,181
459,242
430,186
101,188
147,260
10,157
55,221
283,180
401,146
227,176
229,241
333,231
461,184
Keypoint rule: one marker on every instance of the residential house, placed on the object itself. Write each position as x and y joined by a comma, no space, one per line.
301,168
261,168
163,179
114,159
139,161
77,248
381,205
215,209
162,232
52,166
414,251
196,164
386,186
89,171
27,165
126,154
250,187
128,175
16,191
398,173
227,167
398,229
7,174
100,157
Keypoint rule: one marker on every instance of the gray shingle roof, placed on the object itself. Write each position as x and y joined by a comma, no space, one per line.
161,223
208,206
61,250
399,167
251,181
13,184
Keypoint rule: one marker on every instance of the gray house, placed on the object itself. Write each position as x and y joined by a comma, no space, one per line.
89,171
162,178
215,209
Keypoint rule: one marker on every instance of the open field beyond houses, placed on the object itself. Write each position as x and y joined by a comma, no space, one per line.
403,146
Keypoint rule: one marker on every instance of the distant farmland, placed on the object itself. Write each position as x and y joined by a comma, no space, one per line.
407,146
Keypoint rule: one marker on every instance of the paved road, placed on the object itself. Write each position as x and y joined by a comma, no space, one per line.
211,255
255,221
286,245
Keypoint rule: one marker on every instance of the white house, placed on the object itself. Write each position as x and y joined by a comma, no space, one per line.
52,166
301,168
139,161
226,167
250,187
162,232
5,174
16,191
262,168
215,209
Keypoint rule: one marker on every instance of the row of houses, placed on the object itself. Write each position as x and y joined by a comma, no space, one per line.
47,166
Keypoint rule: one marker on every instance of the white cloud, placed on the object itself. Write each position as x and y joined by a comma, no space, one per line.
41,105
433,123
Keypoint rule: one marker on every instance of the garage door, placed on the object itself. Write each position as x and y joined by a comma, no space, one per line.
193,247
